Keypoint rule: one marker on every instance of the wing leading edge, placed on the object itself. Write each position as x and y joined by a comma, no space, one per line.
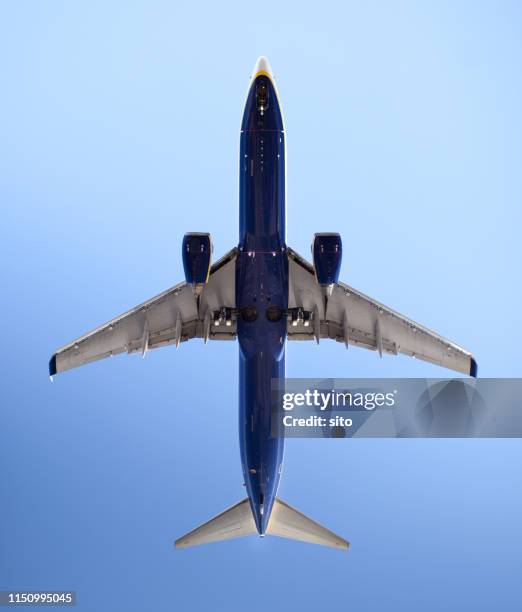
351,317
171,317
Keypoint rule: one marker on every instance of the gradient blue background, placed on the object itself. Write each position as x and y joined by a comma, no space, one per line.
119,133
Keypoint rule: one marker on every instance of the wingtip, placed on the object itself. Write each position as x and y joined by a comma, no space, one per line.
473,370
52,366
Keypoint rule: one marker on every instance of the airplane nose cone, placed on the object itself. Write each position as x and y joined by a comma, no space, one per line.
262,108
262,67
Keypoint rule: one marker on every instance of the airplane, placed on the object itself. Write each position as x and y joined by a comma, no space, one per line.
262,293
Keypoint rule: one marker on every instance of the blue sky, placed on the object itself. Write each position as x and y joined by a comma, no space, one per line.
119,133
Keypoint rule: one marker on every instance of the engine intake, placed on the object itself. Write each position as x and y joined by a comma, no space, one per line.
197,255
327,250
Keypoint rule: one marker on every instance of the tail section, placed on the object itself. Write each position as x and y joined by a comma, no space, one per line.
235,522
285,522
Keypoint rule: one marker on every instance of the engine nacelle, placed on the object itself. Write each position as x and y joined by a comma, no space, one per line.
327,250
197,256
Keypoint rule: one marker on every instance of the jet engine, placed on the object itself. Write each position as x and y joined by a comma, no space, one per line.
197,255
327,250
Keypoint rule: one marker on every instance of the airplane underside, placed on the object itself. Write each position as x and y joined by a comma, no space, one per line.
262,293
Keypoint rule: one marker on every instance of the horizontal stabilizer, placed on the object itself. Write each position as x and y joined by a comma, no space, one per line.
235,522
287,522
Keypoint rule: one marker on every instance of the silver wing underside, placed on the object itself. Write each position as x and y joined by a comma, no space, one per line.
172,317
353,318
347,316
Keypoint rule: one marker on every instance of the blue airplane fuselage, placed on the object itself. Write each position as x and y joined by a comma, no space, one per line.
261,291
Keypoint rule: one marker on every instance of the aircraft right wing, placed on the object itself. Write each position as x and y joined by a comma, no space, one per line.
171,317
353,318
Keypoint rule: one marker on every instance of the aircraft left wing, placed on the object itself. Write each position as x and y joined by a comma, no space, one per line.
353,318
171,317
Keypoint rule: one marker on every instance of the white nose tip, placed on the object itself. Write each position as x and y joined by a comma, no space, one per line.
262,66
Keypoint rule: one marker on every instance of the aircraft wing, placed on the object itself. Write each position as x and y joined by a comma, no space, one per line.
171,317
351,317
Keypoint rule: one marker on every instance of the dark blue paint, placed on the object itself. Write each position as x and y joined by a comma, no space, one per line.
52,366
196,252
261,282
474,368
327,250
